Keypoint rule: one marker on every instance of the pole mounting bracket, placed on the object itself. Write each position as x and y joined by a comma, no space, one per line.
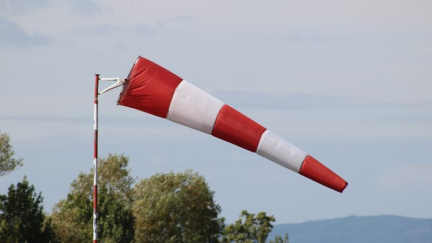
118,82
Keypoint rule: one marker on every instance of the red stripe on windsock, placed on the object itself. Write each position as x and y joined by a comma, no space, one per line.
149,88
316,171
236,128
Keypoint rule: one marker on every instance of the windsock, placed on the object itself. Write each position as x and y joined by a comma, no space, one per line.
153,89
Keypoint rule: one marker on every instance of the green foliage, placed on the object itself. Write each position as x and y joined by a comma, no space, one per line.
7,162
72,218
116,221
168,208
176,208
279,239
249,228
21,216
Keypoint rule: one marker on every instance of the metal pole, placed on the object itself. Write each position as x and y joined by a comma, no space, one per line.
119,82
95,158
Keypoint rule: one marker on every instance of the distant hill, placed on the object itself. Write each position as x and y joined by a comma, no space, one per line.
353,229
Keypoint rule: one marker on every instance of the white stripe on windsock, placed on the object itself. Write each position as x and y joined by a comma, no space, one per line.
280,151
193,107
197,109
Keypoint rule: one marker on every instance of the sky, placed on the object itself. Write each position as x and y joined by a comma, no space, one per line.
349,82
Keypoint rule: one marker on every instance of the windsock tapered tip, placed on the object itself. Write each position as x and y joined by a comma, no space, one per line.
318,172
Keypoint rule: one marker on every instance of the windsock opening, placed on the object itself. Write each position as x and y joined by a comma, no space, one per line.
318,172
149,88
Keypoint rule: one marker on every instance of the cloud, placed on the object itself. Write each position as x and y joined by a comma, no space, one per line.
53,119
117,120
87,7
127,30
12,33
110,30
248,100
21,6
258,15
300,101
408,175
181,18
157,159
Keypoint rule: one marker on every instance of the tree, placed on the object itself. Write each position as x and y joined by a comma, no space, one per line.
176,208
21,215
7,162
279,239
72,217
249,228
